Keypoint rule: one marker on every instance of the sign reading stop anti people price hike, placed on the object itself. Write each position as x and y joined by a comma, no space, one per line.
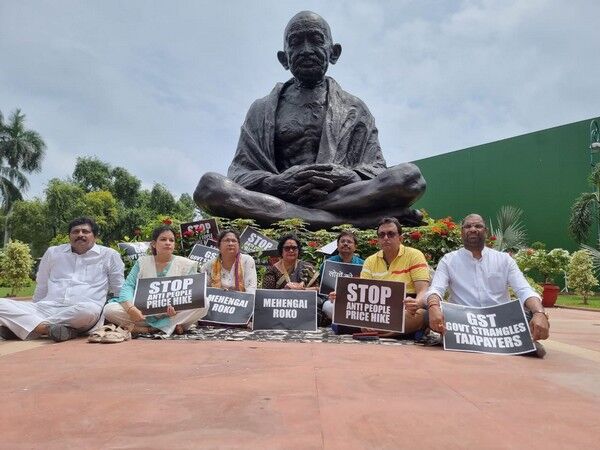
203,230
203,254
285,310
253,241
500,329
369,304
332,270
228,307
153,295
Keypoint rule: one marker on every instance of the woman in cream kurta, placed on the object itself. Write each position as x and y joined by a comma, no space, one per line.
162,263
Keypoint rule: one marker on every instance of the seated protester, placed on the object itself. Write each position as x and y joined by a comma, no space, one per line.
346,246
479,276
72,284
231,270
162,263
395,262
290,272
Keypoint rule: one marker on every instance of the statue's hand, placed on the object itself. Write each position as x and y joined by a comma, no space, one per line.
327,176
285,184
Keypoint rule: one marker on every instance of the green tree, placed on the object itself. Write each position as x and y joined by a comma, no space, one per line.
185,208
586,208
125,187
509,231
161,200
15,266
92,174
65,201
581,275
21,150
102,206
29,223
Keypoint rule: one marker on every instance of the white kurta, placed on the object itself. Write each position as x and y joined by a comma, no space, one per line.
71,290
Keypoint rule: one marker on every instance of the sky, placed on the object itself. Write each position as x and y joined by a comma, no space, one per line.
162,87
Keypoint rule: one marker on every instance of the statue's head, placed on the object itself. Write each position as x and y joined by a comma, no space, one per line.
308,48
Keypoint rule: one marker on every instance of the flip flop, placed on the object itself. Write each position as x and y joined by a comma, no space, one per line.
97,335
115,336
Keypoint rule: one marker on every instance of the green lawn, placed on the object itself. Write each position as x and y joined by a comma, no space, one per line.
25,292
575,300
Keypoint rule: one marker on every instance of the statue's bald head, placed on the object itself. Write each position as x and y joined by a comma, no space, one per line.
307,19
308,48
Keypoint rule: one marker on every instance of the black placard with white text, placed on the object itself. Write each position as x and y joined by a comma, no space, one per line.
499,329
285,309
153,295
228,307
364,303
134,249
334,269
253,241
203,254
201,230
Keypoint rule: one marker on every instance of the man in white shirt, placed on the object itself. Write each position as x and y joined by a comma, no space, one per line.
72,284
480,276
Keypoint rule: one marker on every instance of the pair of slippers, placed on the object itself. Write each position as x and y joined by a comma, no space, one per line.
109,334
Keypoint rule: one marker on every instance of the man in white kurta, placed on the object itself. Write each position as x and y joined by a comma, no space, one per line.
479,276
73,281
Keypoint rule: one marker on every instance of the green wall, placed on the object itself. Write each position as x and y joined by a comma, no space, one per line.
542,173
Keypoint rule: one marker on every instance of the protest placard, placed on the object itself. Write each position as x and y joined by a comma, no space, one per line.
203,254
499,329
153,295
285,310
200,230
364,303
134,249
328,249
228,307
334,269
253,241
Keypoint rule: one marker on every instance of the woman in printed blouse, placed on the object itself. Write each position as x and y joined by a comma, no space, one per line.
290,272
162,263
231,270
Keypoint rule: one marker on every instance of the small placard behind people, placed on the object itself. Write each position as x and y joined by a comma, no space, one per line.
285,310
203,254
134,249
372,304
228,307
253,241
153,295
499,329
201,230
332,270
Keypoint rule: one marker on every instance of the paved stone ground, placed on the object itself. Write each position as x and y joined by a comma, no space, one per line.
191,393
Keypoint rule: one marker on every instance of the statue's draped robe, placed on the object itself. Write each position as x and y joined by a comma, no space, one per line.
349,138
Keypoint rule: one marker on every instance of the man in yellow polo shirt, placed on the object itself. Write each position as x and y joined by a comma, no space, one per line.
395,262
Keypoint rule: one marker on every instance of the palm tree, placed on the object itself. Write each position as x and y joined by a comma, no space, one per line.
510,232
586,208
21,151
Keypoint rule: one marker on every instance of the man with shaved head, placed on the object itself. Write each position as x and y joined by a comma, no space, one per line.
476,275
310,150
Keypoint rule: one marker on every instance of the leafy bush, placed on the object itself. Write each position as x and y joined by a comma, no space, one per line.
547,264
15,266
581,275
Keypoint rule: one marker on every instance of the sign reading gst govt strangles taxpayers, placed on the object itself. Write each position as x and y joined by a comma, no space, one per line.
153,295
228,307
285,309
134,249
369,304
202,230
499,329
253,241
203,254
334,269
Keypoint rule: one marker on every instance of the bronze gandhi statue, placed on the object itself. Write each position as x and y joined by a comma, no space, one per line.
310,150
